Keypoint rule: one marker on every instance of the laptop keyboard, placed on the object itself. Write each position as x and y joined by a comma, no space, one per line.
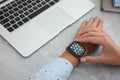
18,12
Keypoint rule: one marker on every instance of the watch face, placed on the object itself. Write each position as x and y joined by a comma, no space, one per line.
77,49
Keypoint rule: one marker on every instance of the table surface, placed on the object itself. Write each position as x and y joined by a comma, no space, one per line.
15,67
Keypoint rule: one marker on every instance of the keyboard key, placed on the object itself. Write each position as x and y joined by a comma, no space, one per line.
20,23
31,10
33,4
47,0
56,0
3,7
4,21
19,2
12,22
15,26
38,11
11,11
16,9
25,20
23,0
52,3
26,13
43,2
11,17
10,29
17,18
1,17
14,4
20,11
29,6
38,1
5,10
7,25
16,14
10,7
25,8
22,16
8,4
24,4
20,6
1,12
6,14
29,1
35,8
39,5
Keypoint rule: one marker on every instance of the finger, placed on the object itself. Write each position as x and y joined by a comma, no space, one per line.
82,26
89,59
90,30
90,21
91,33
94,40
100,24
95,23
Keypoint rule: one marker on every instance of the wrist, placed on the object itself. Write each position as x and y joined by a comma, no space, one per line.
89,47
68,56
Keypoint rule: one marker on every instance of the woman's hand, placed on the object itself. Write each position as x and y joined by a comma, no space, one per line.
93,32
86,24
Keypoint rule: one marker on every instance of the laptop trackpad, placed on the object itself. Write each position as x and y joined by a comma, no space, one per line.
54,21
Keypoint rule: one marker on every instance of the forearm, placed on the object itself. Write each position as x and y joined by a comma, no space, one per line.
73,60
57,69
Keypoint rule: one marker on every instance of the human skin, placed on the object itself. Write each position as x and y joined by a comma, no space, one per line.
89,46
96,35
91,32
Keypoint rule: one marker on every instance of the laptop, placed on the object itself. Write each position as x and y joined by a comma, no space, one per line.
28,24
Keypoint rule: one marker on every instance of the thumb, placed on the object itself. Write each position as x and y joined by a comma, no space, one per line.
90,59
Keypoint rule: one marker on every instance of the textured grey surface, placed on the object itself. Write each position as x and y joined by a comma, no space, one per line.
15,67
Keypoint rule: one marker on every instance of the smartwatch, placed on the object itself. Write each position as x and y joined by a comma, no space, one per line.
76,49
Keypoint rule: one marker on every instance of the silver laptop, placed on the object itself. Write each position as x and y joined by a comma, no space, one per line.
29,24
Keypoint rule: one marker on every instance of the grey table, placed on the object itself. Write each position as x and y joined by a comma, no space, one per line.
15,67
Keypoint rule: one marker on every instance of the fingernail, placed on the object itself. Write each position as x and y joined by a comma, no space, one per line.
83,60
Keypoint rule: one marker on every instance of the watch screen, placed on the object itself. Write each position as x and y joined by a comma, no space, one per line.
77,49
